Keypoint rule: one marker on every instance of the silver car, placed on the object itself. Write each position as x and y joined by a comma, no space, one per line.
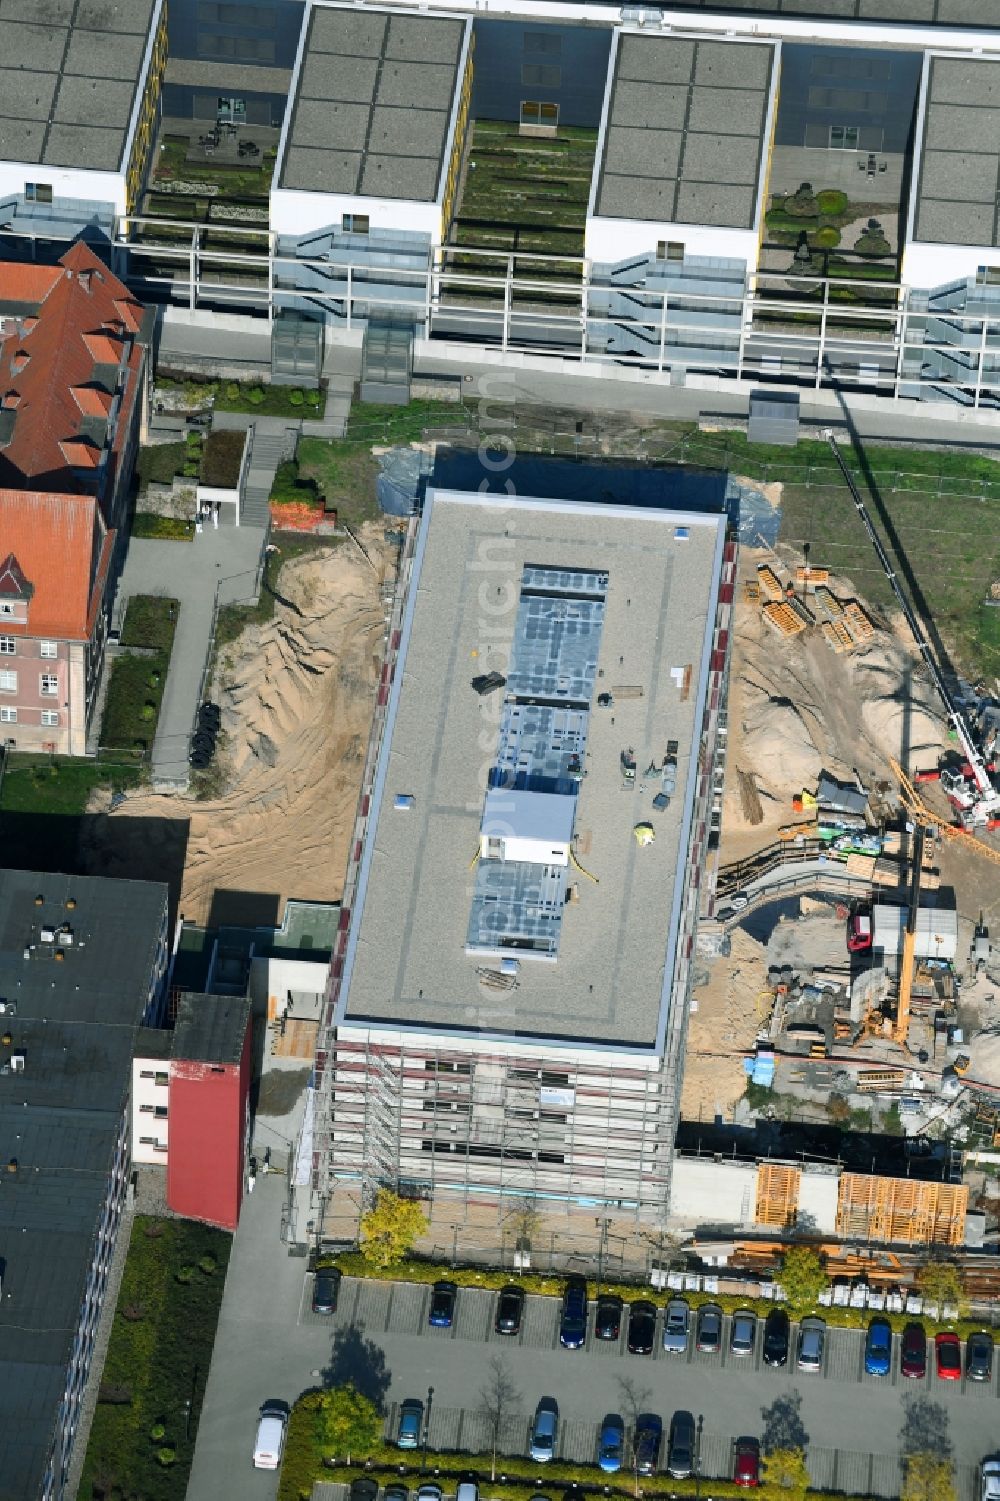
743,1332
676,1327
812,1337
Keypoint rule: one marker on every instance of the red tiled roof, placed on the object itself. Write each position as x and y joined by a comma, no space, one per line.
92,401
80,453
63,549
79,304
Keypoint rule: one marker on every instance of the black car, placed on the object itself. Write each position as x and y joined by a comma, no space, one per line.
573,1322
776,1337
680,1448
326,1290
641,1328
608,1319
648,1433
510,1310
443,1298
979,1357
364,1489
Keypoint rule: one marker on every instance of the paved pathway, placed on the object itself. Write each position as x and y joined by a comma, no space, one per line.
189,572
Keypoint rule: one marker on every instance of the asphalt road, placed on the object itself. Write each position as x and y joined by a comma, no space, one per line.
269,1345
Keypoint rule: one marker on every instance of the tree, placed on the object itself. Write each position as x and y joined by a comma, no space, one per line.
785,1469
526,1221
635,1400
346,1422
498,1396
802,1277
940,1283
928,1477
390,1227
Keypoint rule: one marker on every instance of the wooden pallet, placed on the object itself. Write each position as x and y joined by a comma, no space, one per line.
777,1195
770,585
783,619
837,636
812,578
877,1080
299,1040
860,626
829,602
751,592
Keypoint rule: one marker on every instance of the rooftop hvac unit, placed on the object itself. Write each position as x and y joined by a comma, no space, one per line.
48,934
17,1063
64,937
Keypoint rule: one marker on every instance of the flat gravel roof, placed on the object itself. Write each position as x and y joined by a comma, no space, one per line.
684,134
69,74
611,983
958,182
372,104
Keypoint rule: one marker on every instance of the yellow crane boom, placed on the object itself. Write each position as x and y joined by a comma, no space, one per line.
921,814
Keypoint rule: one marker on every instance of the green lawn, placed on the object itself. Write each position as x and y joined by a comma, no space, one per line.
237,181
161,528
150,620
158,463
158,1359
59,785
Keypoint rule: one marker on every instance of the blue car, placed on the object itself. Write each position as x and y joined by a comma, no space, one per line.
878,1348
611,1444
573,1319
411,1417
442,1312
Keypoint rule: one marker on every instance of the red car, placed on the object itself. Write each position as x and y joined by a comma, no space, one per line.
746,1463
948,1356
859,930
913,1351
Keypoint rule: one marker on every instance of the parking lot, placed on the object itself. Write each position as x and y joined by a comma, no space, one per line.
270,1345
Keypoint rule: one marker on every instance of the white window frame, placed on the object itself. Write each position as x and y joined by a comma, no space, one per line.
48,648
8,646
50,718
6,609
48,684
8,715
8,680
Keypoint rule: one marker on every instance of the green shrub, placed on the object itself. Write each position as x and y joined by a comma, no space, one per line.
184,1273
832,201
297,397
827,237
312,398
778,218
256,396
148,710
208,1265
193,442
190,470
872,244
802,204
233,390
157,1433
166,1456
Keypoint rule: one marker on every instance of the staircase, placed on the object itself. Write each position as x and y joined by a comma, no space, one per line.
272,442
386,362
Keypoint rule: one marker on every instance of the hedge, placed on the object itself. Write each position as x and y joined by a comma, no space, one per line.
832,201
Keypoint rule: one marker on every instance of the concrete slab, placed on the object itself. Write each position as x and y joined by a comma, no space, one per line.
223,559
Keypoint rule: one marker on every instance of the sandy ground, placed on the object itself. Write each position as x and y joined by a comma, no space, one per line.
297,696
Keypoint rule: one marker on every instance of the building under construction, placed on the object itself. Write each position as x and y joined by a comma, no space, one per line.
509,992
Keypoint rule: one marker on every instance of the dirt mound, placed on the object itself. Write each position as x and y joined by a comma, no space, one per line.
722,1029
777,741
297,696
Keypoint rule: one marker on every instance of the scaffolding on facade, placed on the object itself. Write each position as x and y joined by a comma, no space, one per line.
901,1211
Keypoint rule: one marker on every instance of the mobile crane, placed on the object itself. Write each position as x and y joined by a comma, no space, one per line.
975,799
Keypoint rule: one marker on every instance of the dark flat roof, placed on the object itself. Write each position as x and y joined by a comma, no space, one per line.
74,1021
211,1028
69,73
684,134
958,184
373,103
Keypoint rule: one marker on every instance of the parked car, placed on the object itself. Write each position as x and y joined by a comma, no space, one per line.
859,929
411,1422
641,1327
510,1310
542,1444
812,1338
676,1327
365,1489
326,1290
467,1490
979,1357
680,1448
948,1356
742,1332
443,1298
913,1352
708,1330
746,1462
395,1492
648,1437
878,1347
611,1444
270,1438
429,1492
573,1322
989,1480
608,1318
776,1337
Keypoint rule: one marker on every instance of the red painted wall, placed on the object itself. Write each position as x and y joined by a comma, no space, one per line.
208,1122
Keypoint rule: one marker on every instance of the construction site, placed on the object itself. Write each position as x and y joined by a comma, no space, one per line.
842,1066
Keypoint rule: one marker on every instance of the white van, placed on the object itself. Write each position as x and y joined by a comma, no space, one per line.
270,1437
